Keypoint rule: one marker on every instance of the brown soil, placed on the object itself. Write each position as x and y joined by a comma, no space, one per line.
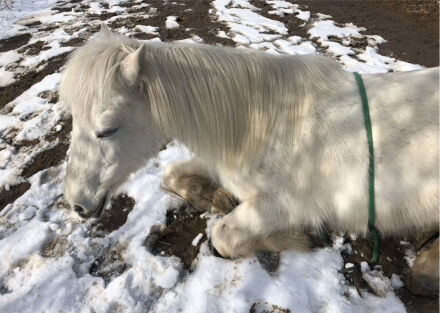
412,35
294,25
102,17
46,159
75,42
61,9
197,19
14,192
182,226
391,261
14,42
33,49
114,218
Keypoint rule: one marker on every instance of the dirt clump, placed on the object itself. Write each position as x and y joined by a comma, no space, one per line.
108,265
114,218
182,227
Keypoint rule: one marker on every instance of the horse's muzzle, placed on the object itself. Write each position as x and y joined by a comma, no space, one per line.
87,214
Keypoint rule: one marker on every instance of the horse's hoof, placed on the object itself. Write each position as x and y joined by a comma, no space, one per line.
424,278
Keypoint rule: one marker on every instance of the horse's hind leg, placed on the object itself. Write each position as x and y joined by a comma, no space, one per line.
259,224
192,181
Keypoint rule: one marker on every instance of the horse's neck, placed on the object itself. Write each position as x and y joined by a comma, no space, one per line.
226,107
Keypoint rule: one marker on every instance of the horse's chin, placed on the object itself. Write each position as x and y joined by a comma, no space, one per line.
102,205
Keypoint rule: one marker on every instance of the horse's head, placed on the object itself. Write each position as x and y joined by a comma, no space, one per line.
113,132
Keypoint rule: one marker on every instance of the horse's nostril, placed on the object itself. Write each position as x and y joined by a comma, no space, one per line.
79,209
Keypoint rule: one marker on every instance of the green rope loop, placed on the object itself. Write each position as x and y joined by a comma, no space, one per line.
372,199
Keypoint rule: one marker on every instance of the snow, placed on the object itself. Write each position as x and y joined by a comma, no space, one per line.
171,22
6,77
376,280
19,10
323,29
396,282
148,29
196,240
304,282
9,57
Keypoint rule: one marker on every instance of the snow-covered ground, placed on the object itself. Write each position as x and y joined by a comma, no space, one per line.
32,281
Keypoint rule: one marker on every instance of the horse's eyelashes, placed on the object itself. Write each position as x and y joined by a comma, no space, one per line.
107,133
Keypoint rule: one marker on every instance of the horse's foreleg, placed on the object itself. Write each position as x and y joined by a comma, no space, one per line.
259,224
191,180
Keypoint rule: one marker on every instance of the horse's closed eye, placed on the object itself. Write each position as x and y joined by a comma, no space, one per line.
107,132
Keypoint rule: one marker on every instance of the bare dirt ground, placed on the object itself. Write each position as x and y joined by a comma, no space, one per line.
412,35
411,27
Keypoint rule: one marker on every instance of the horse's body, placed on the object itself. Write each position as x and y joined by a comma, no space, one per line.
284,134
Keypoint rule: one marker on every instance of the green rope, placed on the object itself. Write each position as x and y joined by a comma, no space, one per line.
372,200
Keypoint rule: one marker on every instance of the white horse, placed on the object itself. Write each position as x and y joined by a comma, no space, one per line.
284,134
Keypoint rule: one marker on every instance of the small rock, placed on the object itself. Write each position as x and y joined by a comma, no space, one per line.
265,307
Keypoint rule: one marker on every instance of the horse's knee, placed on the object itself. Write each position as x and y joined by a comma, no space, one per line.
230,241
170,177
223,201
193,186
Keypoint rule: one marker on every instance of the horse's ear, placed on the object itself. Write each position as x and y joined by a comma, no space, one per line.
105,32
132,64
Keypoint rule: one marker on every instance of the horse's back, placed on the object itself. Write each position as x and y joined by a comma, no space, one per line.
405,115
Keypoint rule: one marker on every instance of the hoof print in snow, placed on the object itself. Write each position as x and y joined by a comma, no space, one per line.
50,95
265,307
178,237
55,248
114,218
108,265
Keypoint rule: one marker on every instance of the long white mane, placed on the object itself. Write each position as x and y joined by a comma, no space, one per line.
223,103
